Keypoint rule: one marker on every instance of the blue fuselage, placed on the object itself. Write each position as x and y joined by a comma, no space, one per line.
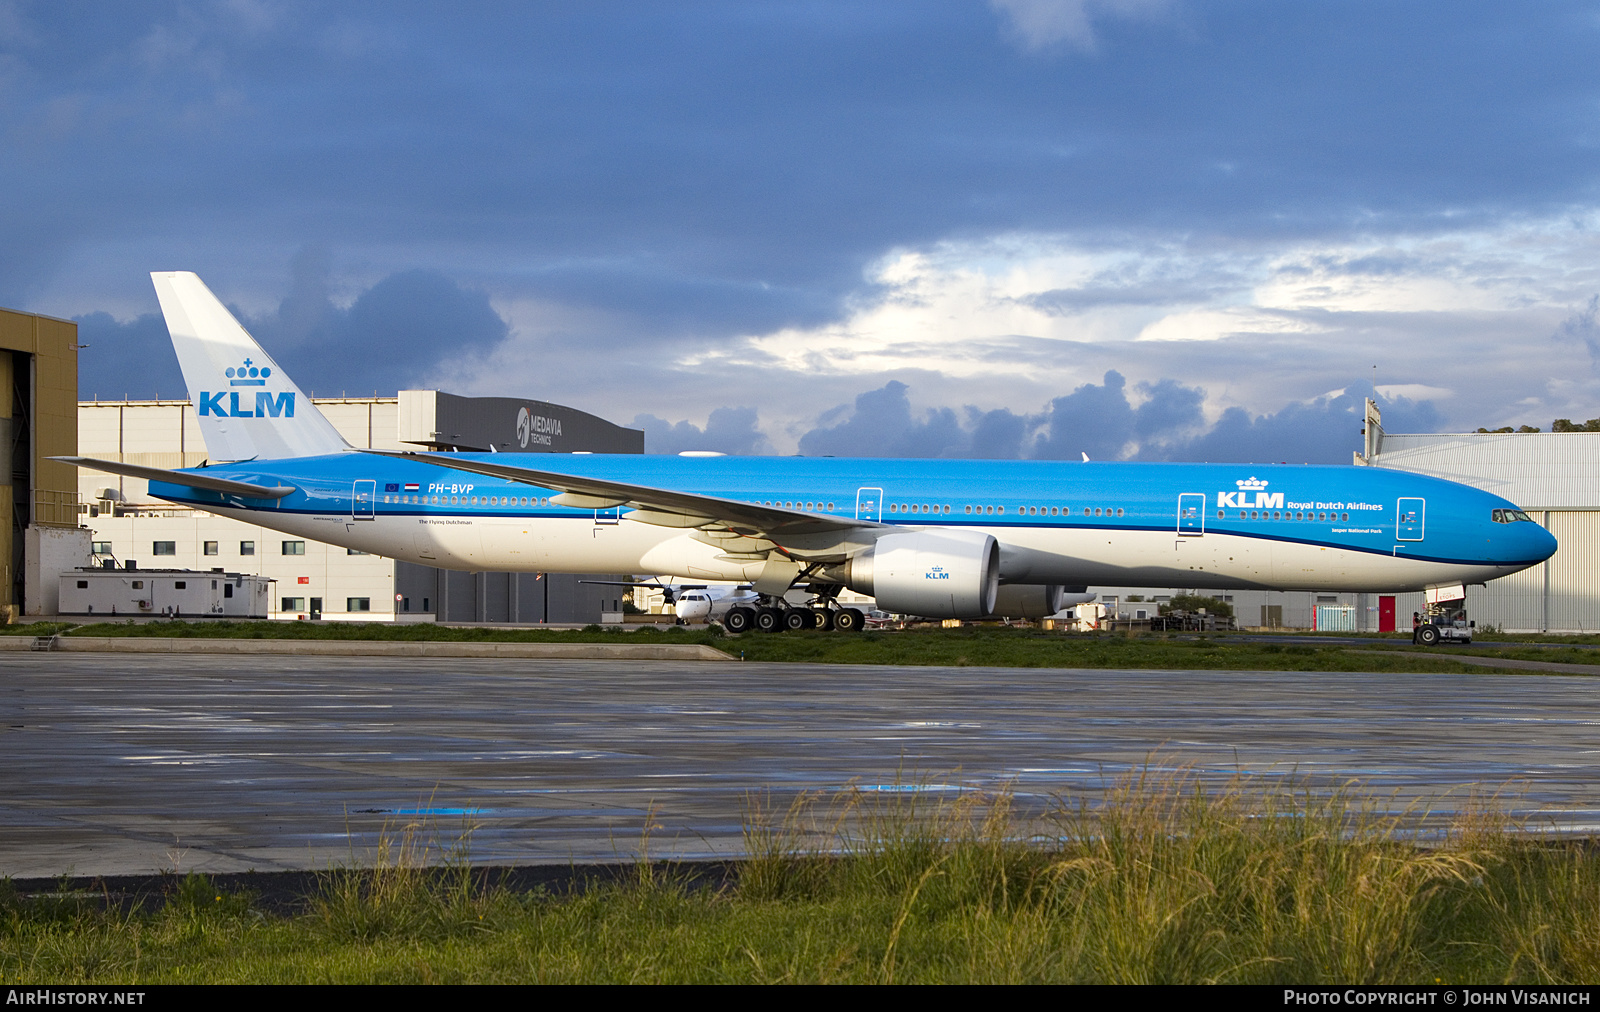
1130,524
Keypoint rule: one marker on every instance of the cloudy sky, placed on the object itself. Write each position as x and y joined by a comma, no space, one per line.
1159,229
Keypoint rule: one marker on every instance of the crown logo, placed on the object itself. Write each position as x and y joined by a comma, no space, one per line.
1251,484
247,375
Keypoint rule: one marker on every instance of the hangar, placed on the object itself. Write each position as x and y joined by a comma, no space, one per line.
1553,477
38,419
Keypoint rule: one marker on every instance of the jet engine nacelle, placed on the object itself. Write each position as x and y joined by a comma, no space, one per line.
936,574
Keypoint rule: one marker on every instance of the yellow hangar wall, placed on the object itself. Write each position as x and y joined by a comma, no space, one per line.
38,419
129,525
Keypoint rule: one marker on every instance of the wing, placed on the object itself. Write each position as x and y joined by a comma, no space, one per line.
756,529
189,478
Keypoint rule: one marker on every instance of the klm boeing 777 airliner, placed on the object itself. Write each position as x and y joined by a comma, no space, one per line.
938,538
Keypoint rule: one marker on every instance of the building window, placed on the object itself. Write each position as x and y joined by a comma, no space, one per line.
163,548
294,548
406,604
102,548
210,548
358,604
425,605
181,585
247,548
138,585
83,584
293,604
353,551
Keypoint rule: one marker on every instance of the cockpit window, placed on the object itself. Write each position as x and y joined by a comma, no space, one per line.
1511,517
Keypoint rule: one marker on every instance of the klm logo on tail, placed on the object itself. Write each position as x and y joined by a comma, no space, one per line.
267,405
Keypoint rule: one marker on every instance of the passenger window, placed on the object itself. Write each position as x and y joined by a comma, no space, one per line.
1119,511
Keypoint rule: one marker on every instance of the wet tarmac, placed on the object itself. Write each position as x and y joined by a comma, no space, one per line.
130,764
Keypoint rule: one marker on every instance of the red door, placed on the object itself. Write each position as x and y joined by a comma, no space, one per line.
1386,614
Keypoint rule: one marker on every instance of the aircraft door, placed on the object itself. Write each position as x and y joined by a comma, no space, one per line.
363,500
1410,515
1191,514
869,504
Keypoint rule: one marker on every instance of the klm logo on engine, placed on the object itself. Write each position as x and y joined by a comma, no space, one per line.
267,404
1252,494
937,573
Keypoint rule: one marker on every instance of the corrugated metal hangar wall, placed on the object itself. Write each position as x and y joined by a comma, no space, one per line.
1551,475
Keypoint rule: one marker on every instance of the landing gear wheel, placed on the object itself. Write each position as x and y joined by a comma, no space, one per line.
1429,636
849,620
739,620
796,619
821,618
768,620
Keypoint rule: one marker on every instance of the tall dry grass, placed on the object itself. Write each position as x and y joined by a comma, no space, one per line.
1163,878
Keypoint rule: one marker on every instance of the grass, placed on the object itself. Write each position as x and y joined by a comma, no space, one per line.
983,645
1163,880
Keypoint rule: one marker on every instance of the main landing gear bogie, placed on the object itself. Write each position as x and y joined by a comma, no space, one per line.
793,619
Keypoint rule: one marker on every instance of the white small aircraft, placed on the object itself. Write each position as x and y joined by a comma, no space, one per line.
697,602
712,604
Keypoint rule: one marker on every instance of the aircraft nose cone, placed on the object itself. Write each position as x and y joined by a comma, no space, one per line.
1544,543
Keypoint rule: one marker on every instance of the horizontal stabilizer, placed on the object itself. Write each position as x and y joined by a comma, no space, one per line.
225,485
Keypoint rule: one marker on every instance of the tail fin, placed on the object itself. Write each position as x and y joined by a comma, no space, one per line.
248,408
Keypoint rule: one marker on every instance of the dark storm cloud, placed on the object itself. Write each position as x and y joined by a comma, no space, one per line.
728,430
132,359
730,167
1101,421
396,334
